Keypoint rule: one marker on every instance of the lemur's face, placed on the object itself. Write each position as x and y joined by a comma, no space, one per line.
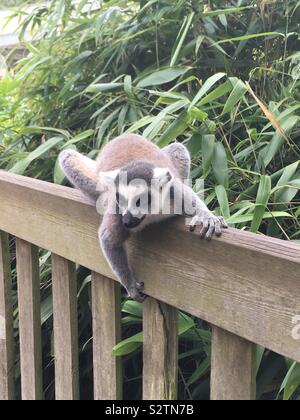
140,190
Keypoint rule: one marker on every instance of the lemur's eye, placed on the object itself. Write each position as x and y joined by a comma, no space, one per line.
138,203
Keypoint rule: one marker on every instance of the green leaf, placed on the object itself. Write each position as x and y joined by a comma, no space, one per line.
259,356
282,192
206,87
181,38
58,175
244,218
216,93
208,146
278,140
227,11
291,381
133,308
148,119
82,136
170,110
223,201
197,114
132,343
220,166
21,166
161,77
236,95
176,129
129,345
104,87
201,370
185,323
262,199
250,36
42,130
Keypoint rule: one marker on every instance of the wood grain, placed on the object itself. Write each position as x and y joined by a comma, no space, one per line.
64,289
106,308
6,323
233,367
29,320
160,351
244,283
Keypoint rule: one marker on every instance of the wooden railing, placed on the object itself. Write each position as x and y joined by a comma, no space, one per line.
247,286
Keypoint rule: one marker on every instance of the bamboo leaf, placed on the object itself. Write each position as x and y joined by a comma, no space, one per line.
206,87
21,166
220,166
262,199
162,77
236,95
208,146
243,218
181,38
223,201
277,141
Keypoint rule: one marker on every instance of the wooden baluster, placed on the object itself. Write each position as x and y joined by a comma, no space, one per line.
106,306
29,320
6,323
160,351
233,369
64,287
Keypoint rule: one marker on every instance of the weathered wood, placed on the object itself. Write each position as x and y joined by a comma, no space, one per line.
233,367
29,320
6,323
224,282
64,290
106,308
160,351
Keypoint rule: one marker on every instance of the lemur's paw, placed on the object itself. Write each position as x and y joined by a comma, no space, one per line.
211,225
136,292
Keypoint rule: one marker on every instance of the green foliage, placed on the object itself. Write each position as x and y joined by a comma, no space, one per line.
168,69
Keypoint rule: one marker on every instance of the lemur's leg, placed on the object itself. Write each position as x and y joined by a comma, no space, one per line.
180,157
112,236
80,171
201,215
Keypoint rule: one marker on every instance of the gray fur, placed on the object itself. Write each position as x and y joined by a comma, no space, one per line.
80,171
173,165
180,157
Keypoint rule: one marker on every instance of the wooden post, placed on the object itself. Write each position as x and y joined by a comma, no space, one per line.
106,307
233,368
160,351
29,320
64,289
6,323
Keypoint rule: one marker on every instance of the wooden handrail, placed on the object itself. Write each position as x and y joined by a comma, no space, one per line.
244,283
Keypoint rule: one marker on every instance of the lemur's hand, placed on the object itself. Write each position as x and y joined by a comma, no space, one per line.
136,292
210,225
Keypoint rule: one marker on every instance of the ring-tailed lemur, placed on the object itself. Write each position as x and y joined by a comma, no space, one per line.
145,165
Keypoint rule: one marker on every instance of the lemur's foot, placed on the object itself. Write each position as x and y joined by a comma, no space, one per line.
210,225
136,292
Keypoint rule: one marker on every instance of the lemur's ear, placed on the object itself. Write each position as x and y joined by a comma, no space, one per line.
80,171
109,178
163,175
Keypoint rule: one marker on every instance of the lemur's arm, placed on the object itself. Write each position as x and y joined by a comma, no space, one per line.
112,236
80,171
195,208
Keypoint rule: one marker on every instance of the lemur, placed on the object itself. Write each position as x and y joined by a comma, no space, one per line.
143,162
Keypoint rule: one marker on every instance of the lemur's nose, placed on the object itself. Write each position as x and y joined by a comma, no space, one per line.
129,221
